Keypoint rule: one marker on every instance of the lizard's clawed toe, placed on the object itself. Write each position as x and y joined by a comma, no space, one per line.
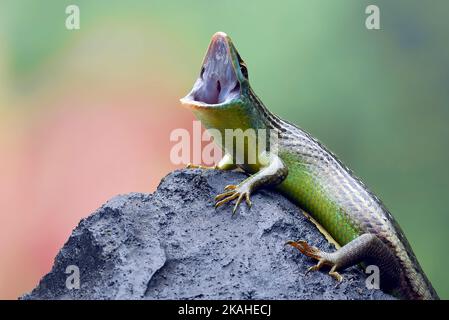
233,192
315,253
197,166
306,249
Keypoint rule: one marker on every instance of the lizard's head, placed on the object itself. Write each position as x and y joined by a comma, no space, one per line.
223,77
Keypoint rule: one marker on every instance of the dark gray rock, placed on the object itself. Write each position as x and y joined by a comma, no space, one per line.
172,244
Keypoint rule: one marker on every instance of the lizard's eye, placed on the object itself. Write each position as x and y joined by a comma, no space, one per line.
243,69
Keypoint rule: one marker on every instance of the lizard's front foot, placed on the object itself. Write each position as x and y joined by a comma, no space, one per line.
239,192
323,258
196,166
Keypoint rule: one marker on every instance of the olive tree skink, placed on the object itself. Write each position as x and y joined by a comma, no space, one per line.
306,172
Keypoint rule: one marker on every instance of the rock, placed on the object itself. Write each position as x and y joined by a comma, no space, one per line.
173,244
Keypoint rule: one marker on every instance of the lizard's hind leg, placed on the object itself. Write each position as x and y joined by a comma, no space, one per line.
366,248
323,258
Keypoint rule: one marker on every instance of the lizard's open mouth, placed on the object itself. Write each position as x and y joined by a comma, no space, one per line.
218,82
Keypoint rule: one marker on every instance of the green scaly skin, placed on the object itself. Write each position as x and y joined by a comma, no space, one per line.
306,172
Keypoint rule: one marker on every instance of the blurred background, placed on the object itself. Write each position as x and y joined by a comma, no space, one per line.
86,114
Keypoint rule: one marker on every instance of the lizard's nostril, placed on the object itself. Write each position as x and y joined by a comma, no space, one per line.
218,86
202,72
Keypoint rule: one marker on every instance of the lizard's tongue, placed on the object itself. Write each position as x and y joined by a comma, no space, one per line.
217,82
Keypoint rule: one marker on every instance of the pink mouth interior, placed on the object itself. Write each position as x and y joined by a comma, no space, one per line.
218,82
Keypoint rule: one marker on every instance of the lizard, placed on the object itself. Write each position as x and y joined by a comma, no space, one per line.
305,171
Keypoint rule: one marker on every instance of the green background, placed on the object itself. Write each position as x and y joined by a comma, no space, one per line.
378,99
